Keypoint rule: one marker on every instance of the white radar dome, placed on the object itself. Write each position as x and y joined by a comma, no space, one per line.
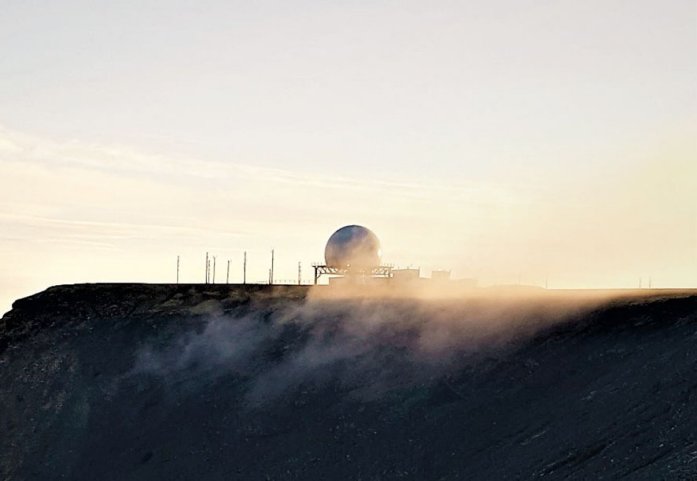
353,247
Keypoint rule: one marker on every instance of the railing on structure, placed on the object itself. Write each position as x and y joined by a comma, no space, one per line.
379,271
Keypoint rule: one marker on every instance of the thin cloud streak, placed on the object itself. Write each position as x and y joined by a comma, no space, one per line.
15,146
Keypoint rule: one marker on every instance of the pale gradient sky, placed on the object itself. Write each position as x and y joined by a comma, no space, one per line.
507,140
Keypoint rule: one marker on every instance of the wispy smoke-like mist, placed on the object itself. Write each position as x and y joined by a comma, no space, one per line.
366,344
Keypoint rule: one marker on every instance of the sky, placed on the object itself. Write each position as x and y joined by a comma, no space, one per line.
510,141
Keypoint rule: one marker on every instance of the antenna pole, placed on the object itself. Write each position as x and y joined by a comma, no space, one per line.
213,269
300,273
227,277
207,265
271,271
244,269
177,269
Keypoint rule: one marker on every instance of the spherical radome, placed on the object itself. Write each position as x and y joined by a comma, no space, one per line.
353,247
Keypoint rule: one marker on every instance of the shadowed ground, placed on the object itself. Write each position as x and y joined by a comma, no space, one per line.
193,382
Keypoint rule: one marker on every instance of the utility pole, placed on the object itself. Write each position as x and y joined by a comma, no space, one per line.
177,269
300,274
227,277
213,269
271,271
206,281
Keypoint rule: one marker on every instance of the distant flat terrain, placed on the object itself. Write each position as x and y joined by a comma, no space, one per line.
215,382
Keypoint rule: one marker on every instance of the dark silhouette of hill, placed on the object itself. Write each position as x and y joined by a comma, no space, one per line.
193,382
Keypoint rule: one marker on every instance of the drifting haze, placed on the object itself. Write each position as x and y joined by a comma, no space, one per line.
366,342
509,142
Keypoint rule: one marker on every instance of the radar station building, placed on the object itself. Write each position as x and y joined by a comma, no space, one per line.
353,255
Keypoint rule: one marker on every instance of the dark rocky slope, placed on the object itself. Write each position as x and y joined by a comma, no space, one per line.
149,382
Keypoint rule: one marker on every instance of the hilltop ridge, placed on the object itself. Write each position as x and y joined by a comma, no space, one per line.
138,381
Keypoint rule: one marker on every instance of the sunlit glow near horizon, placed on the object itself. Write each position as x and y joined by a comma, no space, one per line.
511,142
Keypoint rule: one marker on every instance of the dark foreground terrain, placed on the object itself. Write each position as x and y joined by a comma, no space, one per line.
162,382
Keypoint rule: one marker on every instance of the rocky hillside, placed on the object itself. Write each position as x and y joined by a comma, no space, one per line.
193,382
